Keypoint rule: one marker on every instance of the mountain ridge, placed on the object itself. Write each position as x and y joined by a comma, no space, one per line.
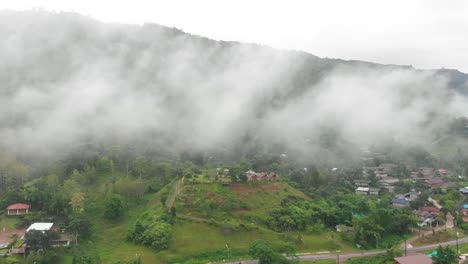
67,78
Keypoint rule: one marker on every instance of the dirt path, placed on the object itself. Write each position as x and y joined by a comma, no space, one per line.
448,225
435,202
171,202
344,247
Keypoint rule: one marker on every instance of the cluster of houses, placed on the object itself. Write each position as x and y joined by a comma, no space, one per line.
12,241
221,175
384,181
431,178
383,174
252,175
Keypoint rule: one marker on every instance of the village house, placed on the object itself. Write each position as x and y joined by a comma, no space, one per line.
40,227
387,187
464,190
389,180
398,202
417,258
388,183
429,209
18,209
427,215
387,168
374,191
441,172
272,176
368,190
465,213
435,183
426,172
63,240
416,175
410,196
361,183
362,190
252,175
343,228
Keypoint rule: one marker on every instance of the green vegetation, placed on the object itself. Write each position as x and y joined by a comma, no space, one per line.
117,206
445,255
371,260
261,250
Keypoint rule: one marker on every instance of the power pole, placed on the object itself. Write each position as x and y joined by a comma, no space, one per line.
405,248
229,252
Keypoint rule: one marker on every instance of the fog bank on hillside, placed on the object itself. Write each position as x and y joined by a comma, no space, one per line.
67,80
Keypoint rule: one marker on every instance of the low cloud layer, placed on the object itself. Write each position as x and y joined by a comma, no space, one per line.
66,80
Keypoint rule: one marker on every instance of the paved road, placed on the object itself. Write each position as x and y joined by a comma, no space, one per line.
370,253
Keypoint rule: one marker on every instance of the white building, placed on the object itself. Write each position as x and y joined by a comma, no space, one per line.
40,227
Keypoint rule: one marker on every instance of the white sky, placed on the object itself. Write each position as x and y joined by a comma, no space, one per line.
422,33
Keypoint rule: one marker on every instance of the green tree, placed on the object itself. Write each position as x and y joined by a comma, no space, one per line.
445,256
137,260
85,259
163,199
141,166
242,177
38,240
261,250
113,208
394,252
158,236
80,225
105,165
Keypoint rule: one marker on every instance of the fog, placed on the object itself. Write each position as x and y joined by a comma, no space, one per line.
68,80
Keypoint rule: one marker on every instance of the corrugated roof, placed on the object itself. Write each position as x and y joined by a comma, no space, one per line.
40,227
18,206
414,259
400,201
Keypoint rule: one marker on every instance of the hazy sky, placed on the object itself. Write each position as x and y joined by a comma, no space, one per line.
422,33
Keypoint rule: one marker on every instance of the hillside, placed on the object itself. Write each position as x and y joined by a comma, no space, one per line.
90,85
216,222
139,143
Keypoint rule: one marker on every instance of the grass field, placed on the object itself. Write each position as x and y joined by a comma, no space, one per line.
380,259
8,222
322,261
199,236
440,236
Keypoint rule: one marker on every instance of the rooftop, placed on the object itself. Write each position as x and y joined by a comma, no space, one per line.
18,206
431,209
414,259
400,201
40,227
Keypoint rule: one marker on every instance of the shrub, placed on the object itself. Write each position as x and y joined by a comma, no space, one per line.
113,207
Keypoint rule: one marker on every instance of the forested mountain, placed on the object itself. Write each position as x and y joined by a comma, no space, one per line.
70,83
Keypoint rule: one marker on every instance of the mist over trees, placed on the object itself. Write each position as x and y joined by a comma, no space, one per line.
73,86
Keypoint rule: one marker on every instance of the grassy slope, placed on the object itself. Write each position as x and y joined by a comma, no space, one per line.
199,237
9,222
109,241
447,147
247,204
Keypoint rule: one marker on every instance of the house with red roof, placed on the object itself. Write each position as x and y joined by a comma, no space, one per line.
435,183
429,209
417,258
18,209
